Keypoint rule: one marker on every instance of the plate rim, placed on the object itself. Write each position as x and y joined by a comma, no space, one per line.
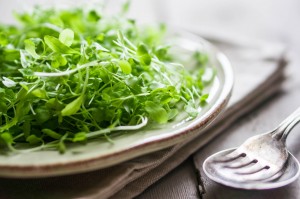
146,147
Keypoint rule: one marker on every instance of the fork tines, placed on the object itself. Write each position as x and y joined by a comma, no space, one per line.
244,167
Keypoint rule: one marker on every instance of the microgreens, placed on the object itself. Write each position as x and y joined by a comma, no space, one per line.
72,75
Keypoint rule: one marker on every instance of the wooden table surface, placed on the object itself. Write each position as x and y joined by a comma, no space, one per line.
271,20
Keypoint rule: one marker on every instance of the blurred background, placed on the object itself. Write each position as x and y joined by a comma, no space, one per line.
267,20
272,20
252,17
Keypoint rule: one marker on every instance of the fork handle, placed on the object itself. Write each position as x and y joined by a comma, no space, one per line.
290,128
285,127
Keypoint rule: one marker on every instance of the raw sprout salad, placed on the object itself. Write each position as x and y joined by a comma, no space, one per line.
72,75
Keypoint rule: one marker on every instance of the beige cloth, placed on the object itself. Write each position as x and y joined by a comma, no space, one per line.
257,78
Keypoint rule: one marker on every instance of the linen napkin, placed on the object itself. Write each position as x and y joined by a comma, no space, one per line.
259,72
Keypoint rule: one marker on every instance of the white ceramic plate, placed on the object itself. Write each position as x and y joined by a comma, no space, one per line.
97,154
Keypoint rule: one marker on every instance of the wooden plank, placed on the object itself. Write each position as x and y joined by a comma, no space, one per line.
180,183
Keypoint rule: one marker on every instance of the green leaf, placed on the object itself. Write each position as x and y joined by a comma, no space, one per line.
42,114
67,37
57,46
61,145
3,39
93,16
10,55
142,50
58,60
7,138
33,139
143,54
146,59
125,7
55,104
72,107
162,52
156,112
30,48
24,86
52,134
100,37
40,93
80,137
204,98
3,107
125,66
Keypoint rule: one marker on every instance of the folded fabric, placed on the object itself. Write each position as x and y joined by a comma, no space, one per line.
257,78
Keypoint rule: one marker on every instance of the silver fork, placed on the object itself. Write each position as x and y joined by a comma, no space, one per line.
260,158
